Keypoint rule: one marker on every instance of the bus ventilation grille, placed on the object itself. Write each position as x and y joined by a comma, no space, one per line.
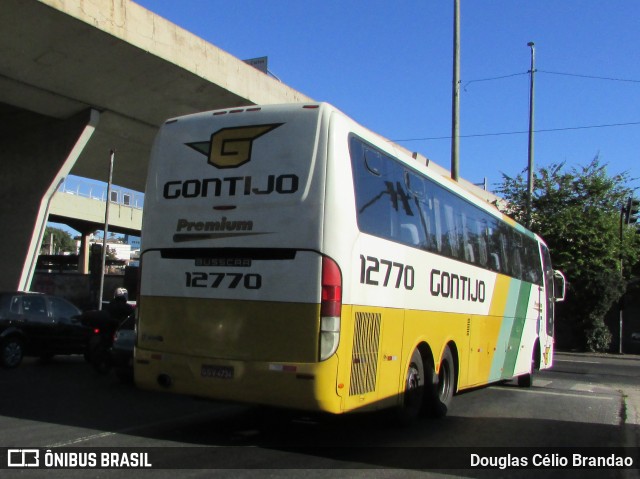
364,363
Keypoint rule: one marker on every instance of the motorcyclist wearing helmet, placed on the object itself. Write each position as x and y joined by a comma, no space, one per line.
118,308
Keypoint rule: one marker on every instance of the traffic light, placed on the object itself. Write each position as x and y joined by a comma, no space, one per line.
632,211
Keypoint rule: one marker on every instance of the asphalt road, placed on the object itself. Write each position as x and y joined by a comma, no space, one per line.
584,401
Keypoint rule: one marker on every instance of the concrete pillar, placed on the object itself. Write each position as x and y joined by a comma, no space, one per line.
83,254
37,153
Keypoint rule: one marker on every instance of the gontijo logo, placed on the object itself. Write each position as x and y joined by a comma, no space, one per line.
231,147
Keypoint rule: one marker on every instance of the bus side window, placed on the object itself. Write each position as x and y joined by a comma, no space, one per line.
495,255
452,247
494,264
469,252
504,253
397,203
532,267
481,237
406,224
438,224
516,264
373,162
373,202
417,188
409,234
428,220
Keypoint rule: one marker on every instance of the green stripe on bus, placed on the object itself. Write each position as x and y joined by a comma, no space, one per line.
506,327
511,329
517,329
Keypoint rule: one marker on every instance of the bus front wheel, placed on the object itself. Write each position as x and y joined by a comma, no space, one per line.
440,386
526,380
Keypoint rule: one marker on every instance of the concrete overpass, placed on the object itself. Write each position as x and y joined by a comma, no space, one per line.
78,79
86,213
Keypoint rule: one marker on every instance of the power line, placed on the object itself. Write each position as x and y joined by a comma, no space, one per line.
592,77
502,77
577,75
544,130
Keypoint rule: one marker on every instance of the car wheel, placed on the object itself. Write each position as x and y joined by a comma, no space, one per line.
11,352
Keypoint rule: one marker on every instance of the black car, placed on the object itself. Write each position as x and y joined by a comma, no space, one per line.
34,324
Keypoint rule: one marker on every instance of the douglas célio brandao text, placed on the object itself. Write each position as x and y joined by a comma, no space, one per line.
550,460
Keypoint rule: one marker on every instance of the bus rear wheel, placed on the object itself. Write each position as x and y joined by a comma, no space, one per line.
413,397
440,386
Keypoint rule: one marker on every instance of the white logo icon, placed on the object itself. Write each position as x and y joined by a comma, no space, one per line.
23,458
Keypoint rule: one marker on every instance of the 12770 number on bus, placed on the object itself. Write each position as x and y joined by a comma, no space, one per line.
223,280
374,271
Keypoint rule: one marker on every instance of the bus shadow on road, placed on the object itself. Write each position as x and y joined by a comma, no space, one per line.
67,392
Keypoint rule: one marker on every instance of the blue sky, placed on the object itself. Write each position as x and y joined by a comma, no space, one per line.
388,65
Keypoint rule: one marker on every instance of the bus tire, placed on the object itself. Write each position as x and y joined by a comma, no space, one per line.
441,386
526,380
413,396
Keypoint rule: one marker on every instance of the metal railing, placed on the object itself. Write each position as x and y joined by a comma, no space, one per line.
75,185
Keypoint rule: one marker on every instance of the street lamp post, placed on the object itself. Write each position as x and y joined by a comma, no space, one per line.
455,116
106,230
531,118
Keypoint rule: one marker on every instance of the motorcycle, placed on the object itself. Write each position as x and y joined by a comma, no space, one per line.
104,326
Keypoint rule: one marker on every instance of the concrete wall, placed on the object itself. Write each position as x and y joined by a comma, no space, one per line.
75,287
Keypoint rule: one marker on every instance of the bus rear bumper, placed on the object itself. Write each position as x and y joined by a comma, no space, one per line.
304,386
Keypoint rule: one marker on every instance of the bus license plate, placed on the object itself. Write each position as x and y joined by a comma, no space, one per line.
219,372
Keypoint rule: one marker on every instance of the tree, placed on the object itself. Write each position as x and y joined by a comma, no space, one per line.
111,253
62,241
577,213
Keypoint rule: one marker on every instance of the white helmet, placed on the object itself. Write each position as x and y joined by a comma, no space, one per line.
121,293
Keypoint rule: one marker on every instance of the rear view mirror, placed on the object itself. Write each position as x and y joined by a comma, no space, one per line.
559,285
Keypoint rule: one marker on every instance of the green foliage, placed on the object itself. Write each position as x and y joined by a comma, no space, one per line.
577,212
62,241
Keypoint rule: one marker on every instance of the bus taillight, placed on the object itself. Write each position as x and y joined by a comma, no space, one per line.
330,308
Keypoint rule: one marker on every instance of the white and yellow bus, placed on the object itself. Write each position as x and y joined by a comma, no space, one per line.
291,257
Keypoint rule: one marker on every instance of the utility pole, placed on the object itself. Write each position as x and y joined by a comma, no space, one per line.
628,215
106,230
624,211
455,123
531,117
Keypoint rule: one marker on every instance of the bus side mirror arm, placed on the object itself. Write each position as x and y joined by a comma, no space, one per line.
559,286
